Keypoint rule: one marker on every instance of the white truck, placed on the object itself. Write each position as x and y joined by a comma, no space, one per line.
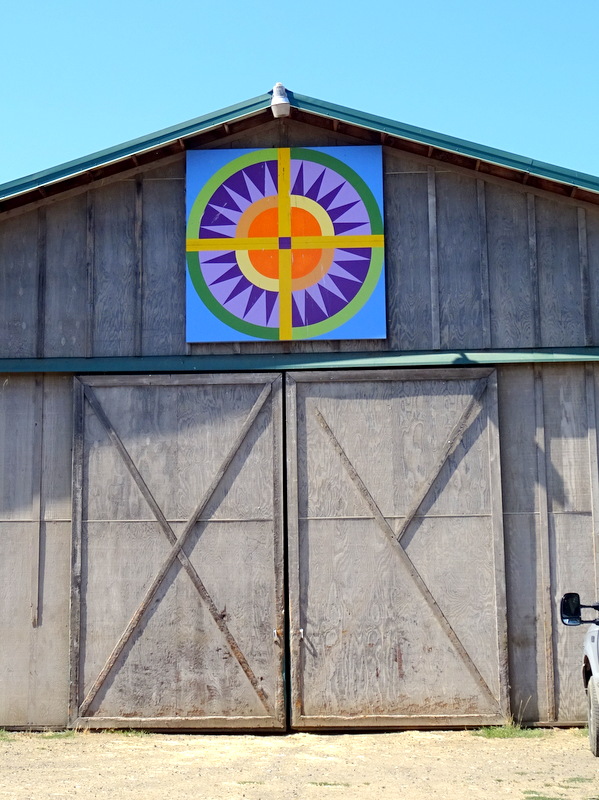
571,614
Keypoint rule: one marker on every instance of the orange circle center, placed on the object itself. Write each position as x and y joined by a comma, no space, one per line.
266,224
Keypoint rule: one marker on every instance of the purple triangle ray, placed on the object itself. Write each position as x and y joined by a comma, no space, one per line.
257,174
357,268
226,276
345,227
329,198
298,186
359,252
296,317
314,312
333,302
349,288
271,299
241,286
222,198
225,258
312,192
255,295
335,213
272,167
237,183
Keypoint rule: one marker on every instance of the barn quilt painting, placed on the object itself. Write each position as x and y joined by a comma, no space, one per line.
285,244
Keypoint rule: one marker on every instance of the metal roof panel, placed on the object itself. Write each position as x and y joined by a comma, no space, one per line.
312,106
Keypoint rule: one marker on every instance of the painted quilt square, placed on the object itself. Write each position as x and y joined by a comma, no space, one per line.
285,244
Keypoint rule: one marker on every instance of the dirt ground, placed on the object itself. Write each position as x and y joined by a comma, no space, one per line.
408,765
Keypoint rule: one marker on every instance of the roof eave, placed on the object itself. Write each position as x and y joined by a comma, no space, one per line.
134,147
421,141
448,144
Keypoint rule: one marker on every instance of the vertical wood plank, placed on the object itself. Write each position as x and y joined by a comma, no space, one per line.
139,267
560,291
511,292
459,261
18,286
434,258
592,236
407,260
484,265
519,459
163,308
90,246
115,272
545,606
37,500
66,305
583,255
77,523
534,266
17,467
293,547
57,448
279,533
498,543
590,381
41,281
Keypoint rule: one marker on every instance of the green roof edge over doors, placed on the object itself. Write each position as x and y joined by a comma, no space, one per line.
311,106
266,362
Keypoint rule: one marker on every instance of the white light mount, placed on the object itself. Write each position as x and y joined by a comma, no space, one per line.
280,105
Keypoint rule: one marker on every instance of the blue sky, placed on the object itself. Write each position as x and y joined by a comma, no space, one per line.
78,77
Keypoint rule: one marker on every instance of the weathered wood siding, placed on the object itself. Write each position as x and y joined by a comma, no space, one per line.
472,263
548,418
35,546
548,428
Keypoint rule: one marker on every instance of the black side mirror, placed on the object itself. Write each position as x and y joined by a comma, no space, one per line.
570,609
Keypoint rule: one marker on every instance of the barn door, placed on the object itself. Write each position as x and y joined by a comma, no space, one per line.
395,550
177,607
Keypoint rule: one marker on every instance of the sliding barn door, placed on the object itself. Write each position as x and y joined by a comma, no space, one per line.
395,550
177,605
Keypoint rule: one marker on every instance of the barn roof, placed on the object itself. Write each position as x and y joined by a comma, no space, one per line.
255,112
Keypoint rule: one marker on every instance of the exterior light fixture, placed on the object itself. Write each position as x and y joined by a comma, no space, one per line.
280,105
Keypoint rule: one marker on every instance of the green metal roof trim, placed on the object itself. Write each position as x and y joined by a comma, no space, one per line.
298,361
443,142
135,146
310,105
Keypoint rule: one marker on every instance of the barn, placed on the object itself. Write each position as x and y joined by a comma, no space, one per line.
360,527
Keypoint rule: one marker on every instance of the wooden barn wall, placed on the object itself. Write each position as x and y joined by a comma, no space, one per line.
472,263
548,420
35,548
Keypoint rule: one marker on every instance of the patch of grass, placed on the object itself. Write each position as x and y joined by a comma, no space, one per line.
511,730
576,779
58,734
533,795
326,783
581,731
5,736
132,732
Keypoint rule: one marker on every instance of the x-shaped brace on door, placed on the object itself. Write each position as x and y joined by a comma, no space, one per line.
176,552
466,419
